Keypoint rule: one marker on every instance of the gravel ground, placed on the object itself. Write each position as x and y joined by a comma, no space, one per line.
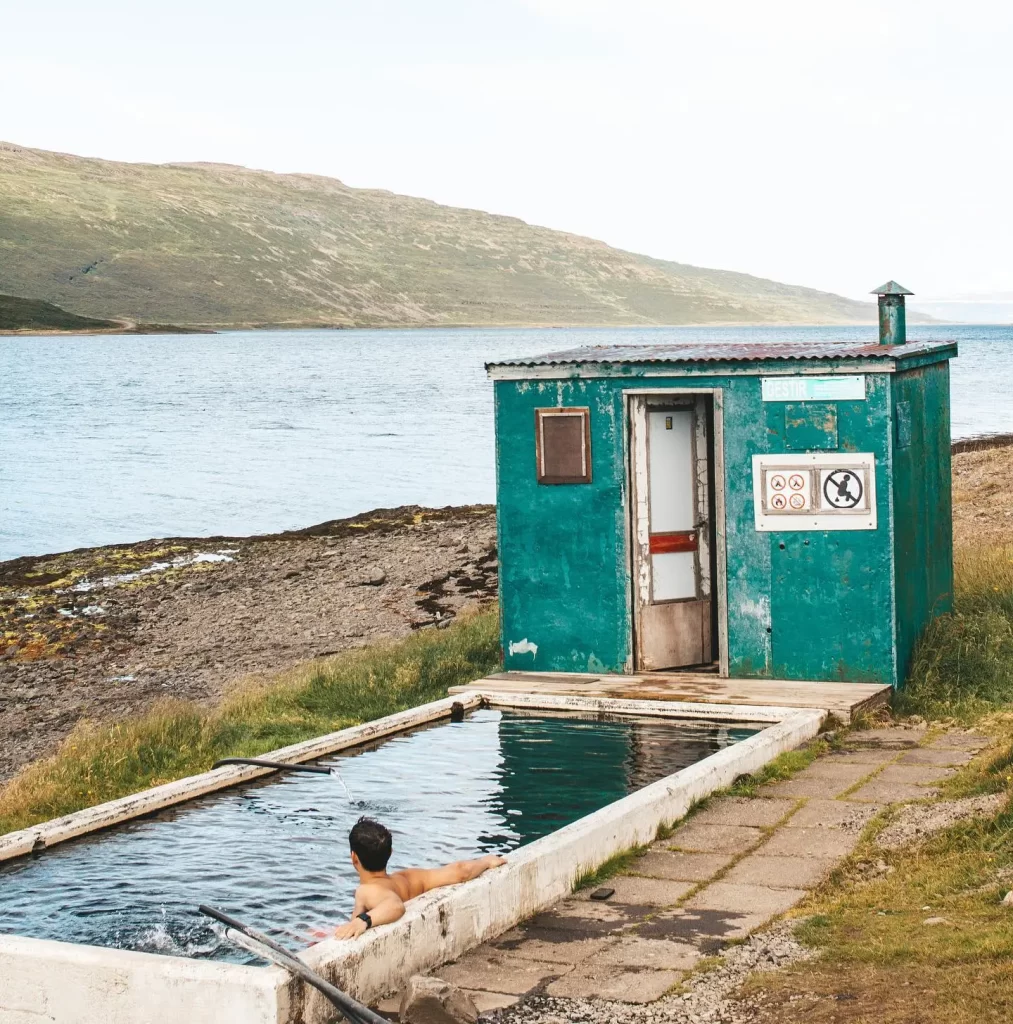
105,632
708,996
917,822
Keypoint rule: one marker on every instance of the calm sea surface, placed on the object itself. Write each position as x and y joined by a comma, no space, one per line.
116,438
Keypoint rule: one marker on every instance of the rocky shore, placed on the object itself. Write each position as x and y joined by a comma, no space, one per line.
103,633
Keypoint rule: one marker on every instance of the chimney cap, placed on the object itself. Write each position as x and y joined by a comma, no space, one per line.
891,288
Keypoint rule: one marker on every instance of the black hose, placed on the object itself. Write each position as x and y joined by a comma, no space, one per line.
355,1011
280,765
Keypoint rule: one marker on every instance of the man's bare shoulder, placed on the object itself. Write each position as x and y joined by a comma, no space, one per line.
370,893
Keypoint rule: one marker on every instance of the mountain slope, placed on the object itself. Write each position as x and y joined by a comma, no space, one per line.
215,245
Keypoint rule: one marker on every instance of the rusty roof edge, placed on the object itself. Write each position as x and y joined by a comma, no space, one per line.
732,352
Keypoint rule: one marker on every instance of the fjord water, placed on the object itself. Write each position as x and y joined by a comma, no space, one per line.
275,852
120,438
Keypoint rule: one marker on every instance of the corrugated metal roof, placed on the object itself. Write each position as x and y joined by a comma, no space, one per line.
728,352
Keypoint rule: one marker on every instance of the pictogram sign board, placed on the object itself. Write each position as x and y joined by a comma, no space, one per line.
818,491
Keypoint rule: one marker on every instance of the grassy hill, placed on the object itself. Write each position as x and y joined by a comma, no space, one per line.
215,245
18,314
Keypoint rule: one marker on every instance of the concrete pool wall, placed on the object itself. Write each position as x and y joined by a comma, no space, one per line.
74,984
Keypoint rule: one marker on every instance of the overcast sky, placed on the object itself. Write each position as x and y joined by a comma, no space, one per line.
827,144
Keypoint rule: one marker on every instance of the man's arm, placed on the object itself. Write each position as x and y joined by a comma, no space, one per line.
459,871
382,905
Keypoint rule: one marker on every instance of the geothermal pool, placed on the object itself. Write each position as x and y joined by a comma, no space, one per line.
275,853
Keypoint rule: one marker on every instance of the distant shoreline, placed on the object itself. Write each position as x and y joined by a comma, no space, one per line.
234,328
138,329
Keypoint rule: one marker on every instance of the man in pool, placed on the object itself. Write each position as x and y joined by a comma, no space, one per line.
380,898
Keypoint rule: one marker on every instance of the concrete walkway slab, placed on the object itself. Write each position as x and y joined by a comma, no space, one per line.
833,814
874,756
798,788
549,946
959,741
781,872
879,792
707,929
634,891
489,971
745,812
888,738
486,1002
914,774
684,867
584,919
930,755
745,899
614,983
809,842
836,772
632,951
696,837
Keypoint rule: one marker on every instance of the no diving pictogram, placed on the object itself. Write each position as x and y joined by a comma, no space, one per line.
843,489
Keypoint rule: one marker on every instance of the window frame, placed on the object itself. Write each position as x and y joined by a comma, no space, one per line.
584,413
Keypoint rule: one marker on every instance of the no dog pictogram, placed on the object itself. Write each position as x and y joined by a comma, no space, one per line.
843,489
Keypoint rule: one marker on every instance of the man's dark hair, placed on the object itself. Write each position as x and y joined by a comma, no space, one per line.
372,842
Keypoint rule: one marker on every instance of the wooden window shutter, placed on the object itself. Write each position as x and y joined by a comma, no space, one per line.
563,445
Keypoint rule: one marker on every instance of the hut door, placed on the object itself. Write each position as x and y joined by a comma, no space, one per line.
672,545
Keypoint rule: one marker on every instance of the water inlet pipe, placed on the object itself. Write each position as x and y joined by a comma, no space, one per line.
258,943
261,762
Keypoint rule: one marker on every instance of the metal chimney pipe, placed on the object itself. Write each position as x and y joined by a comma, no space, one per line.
892,316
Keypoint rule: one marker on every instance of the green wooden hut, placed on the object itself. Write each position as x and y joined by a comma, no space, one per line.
774,511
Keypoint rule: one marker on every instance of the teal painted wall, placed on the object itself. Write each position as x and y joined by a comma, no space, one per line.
801,605
923,513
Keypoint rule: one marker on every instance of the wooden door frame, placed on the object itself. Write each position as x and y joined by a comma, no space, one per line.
719,586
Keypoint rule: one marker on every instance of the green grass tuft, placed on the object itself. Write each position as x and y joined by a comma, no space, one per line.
177,738
783,767
606,870
963,665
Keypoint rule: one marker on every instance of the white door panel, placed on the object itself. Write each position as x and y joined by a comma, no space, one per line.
674,575
670,470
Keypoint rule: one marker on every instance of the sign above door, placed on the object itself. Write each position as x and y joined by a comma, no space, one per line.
839,388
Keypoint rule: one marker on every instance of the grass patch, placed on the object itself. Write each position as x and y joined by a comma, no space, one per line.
783,767
176,738
613,866
963,665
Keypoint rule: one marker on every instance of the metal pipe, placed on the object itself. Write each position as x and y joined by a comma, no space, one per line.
353,1010
892,315
261,762
892,320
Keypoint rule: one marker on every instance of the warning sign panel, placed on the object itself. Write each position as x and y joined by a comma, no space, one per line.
820,491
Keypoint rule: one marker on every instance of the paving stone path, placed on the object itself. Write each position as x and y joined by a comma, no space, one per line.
725,872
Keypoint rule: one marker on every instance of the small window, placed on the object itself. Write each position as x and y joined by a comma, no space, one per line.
563,446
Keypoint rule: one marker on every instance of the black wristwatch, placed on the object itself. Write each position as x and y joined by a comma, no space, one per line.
365,917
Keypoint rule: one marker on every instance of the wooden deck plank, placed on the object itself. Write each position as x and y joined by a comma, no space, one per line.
842,700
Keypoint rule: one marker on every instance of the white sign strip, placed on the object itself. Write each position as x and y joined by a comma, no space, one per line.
813,389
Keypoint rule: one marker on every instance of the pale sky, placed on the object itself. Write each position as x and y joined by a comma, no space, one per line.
829,144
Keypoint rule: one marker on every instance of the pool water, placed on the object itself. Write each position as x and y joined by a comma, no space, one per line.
275,852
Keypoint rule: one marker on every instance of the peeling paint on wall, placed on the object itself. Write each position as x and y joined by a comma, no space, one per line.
524,646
